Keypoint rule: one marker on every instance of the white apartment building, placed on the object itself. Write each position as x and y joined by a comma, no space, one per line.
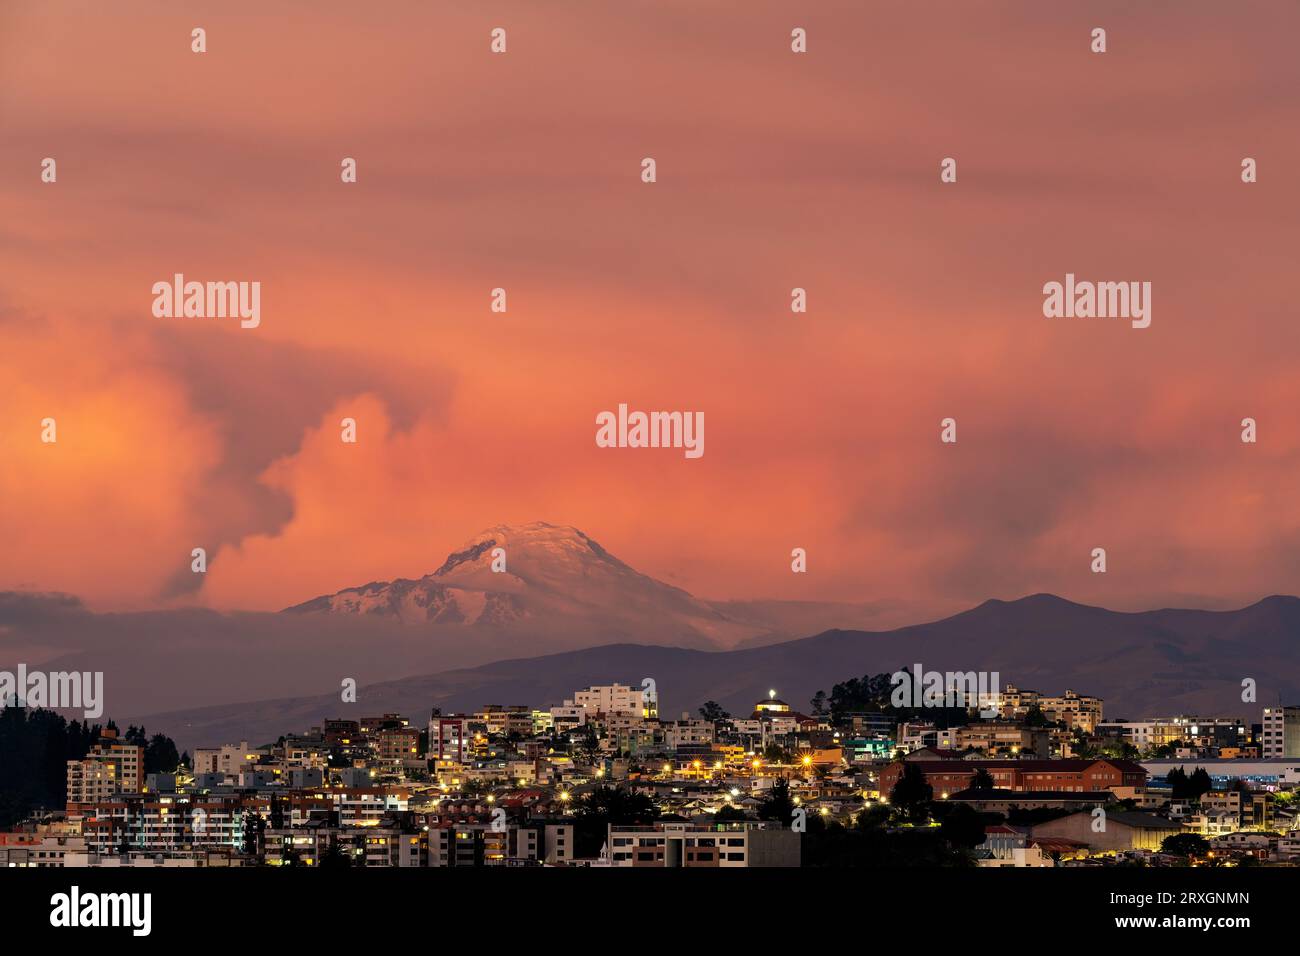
614,699
687,731
685,845
567,717
110,767
90,781
1281,732
228,759
45,852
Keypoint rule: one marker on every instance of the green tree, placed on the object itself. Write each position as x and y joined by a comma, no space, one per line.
712,710
962,826
777,804
334,857
587,748
874,817
605,806
1035,717
160,754
1188,845
912,794
1199,783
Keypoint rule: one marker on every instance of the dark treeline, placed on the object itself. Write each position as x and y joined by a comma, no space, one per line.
35,747
874,693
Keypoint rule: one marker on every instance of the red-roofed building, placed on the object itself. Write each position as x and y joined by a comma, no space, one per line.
951,776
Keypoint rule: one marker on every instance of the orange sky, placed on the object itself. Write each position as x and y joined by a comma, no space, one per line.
775,170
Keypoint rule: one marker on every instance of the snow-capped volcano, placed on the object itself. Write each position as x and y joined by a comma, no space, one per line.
553,576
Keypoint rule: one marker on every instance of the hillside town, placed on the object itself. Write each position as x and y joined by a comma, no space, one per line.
603,779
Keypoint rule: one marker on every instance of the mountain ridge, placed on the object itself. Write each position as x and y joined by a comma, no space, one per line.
1142,663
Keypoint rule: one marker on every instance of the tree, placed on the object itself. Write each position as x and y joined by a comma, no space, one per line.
1187,845
254,827
1080,745
777,804
712,710
334,858
962,826
606,806
820,707
160,755
874,817
587,749
1199,783
835,845
912,794
982,780
1034,717
35,747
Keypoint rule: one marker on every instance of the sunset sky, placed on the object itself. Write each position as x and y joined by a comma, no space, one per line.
775,170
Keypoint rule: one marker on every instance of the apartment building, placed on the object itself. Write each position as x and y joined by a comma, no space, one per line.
1076,711
506,720
38,851
684,844
614,699
398,748
156,823
688,732
450,737
229,760
996,737
1281,736
1194,732
110,767
453,843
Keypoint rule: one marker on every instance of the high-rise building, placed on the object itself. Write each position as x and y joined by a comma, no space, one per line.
112,766
450,737
615,699
1281,732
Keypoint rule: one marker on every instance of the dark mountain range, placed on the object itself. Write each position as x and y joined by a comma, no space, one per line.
1143,664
